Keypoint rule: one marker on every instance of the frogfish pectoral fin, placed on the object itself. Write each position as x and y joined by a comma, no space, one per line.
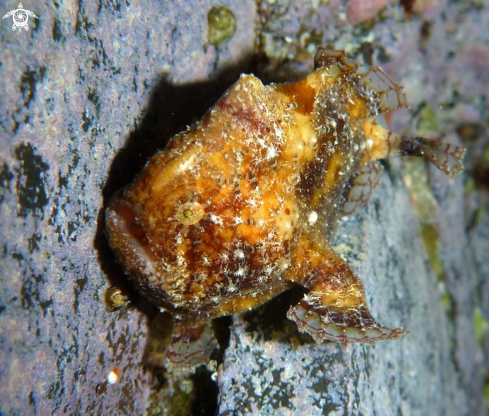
384,144
335,307
361,186
190,347
343,326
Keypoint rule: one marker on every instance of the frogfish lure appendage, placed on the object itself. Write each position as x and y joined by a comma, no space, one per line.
244,205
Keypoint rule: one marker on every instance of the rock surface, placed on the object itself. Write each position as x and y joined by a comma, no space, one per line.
94,88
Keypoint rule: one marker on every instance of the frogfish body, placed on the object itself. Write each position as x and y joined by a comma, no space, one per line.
244,205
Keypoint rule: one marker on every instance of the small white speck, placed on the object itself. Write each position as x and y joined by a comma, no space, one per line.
216,219
237,221
252,203
312,218
112,377
271,153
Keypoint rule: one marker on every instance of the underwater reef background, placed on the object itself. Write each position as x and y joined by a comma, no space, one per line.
94,88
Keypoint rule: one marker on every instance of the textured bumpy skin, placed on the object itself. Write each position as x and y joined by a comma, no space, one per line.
244,205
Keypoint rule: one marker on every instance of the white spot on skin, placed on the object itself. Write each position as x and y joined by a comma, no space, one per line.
240,272
216,219
185,165
271,152
312,218
252,203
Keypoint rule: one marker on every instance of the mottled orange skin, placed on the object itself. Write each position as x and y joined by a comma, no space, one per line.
243,205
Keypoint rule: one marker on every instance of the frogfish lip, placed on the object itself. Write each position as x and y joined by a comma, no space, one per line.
128,238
